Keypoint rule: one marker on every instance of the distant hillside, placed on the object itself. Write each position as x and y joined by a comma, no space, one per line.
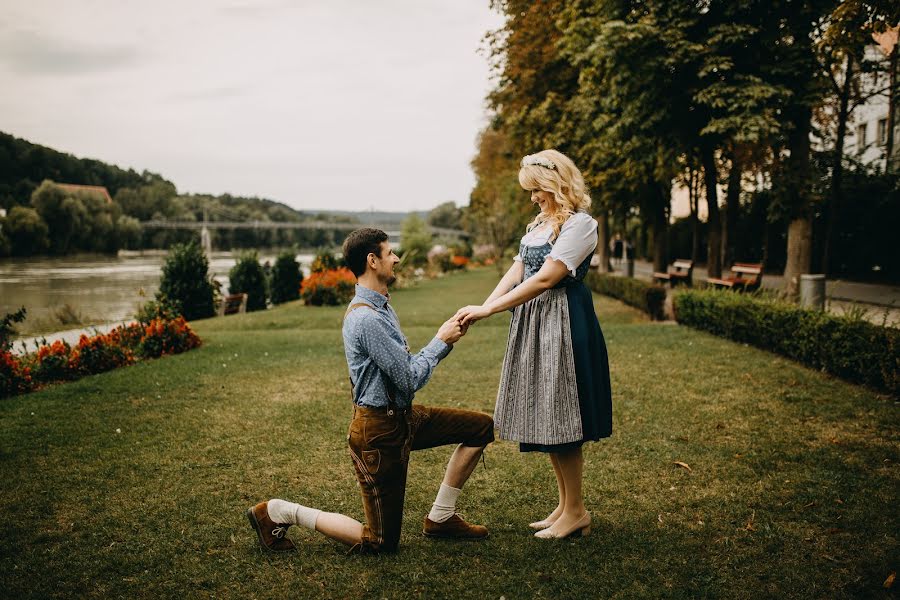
24,165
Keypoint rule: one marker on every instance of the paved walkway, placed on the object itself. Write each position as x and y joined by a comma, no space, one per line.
70,335
881,302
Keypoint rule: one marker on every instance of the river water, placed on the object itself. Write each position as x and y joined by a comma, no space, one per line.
100,289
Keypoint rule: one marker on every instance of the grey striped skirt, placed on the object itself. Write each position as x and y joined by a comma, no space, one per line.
537,401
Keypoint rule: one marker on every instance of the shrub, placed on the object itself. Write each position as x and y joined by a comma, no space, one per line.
8,329
459,262
167,337
646,296
185,281
324,261
332,287
247,277
161,308
129,336
286,278
850,348
15,377
52,362
98,354
416,239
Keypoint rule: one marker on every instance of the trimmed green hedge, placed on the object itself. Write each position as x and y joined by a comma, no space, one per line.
849,348
646,296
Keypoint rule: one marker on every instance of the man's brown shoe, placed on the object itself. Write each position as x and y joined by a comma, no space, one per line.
454,527
271,535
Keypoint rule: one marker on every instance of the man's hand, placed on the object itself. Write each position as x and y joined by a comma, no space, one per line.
450,331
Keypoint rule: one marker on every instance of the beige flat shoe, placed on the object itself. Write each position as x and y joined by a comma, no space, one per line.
581,528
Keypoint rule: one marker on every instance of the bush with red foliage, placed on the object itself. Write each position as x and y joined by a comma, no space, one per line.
15,377
331,287
167,337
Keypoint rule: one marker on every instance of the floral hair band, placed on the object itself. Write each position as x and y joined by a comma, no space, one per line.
534,159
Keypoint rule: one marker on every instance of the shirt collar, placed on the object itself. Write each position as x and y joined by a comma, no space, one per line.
372,296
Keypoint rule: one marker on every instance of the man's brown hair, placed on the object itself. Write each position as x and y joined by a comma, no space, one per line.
359,244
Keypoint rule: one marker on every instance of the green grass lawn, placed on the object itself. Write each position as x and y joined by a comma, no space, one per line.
134,483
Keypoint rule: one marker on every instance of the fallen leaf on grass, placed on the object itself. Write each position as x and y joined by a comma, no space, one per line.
678,463
889,581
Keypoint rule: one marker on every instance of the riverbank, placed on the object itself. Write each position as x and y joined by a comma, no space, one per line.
745,475
91,290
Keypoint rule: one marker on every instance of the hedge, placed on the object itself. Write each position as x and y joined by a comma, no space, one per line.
850,348
646,296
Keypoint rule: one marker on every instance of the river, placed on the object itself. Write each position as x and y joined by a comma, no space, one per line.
99,289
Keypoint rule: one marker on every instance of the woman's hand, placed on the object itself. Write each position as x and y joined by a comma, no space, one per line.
469,314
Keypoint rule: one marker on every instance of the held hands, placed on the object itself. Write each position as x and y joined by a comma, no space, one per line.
451,331
469,314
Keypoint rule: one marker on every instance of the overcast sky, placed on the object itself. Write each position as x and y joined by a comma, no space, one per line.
338,104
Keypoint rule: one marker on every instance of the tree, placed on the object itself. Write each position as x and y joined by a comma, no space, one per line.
185,280
26,231
841,49
128,232
247,277
499,209
286,278
445,215
415,239
64,215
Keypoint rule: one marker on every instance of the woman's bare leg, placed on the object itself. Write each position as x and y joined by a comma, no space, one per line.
570,467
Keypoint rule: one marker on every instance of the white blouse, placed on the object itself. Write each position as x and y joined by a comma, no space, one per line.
576,241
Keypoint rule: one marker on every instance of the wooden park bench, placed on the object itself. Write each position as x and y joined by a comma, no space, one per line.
233,304
746,277
681,271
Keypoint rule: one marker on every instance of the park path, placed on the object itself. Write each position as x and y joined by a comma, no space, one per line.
71,336
881,302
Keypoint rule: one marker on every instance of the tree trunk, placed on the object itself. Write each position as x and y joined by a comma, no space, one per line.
603,240
694,201
732,206
660,228
799,241
837,168
891,160
714,245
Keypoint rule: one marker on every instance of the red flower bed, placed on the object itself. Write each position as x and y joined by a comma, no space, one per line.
15,377
98,354
331,287
459,261
167,337
52,363
120,347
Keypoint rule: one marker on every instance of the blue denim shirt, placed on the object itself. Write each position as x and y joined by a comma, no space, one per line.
378,354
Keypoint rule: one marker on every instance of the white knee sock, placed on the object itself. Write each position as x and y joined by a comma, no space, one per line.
444,505
281,511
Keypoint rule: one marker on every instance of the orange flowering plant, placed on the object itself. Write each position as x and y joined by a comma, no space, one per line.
167,337
98,354
52,362
15,377
330,287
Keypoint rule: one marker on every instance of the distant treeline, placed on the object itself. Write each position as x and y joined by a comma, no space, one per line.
44,218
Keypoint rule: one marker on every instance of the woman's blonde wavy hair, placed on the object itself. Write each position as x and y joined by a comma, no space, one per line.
564,182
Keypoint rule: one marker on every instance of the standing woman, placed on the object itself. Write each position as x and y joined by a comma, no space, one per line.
554,388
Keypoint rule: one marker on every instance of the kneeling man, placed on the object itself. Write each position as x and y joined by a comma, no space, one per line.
386,426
